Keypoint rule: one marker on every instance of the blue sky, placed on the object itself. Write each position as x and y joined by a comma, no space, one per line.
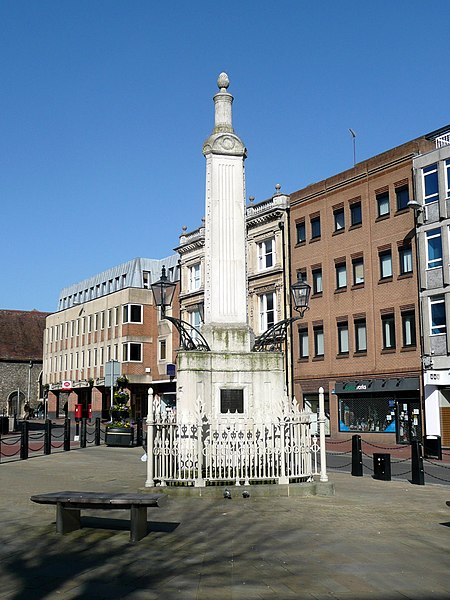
105,104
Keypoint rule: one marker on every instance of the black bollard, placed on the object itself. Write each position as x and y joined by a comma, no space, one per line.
83,432
97,431
357,463
418,475
47,436
24,440
66,435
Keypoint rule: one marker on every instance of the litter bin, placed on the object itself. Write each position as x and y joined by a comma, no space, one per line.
4,425
432,447
382,467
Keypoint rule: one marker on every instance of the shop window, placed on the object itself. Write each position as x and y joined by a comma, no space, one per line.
367,414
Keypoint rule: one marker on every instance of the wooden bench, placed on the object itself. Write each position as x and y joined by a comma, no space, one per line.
69,505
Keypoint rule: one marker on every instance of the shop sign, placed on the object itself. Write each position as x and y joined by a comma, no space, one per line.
437,377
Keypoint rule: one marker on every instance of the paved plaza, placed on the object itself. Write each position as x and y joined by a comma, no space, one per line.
371,540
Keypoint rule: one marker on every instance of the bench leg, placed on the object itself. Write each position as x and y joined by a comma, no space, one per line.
138,527
67,519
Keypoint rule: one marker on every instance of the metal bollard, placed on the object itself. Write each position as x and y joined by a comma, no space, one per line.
357,463
382,467
97,431
417,472
83,433
24,441
66,435
47,436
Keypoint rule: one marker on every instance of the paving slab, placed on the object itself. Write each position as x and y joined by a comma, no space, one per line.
372,540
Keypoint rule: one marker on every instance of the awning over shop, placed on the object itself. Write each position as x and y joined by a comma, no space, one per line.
370,386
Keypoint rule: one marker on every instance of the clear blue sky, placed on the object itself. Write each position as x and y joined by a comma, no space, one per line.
105,104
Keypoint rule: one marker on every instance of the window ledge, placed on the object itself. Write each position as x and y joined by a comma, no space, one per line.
340,290
357,286
385,280
388,351
302,243
362,353
382,217
401,211
405,276
408,349
339,356
303,360
338,231
317,295
355,226
315,239
318,358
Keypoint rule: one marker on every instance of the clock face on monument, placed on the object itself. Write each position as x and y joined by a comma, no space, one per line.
227,143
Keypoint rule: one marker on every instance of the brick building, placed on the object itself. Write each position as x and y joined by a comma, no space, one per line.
353,239
21,334
109,317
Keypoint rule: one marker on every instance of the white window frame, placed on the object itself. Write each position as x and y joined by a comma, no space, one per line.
441,329
126,352
434,263
195,277
126,313
426,171
266,254
263,311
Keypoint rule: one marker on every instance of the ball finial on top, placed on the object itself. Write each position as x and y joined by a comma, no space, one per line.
223,82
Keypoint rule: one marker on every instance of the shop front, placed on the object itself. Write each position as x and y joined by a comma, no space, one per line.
386,408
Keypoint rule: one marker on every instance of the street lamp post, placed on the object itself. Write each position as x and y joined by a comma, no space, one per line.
163,291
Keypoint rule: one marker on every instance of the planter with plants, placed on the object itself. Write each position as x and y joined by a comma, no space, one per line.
119,431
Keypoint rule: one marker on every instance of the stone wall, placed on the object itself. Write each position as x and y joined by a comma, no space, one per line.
16,375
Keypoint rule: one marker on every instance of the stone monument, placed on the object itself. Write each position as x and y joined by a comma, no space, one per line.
230,380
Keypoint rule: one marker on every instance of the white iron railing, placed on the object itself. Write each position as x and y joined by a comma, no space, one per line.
199,451
443,140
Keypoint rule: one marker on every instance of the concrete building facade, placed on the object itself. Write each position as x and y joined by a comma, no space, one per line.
432,208
109,317
353,240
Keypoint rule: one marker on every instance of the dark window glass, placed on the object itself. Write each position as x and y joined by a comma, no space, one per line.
301,232
409,328
356,213
339,219
402,195
383,204
315,228
388,324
